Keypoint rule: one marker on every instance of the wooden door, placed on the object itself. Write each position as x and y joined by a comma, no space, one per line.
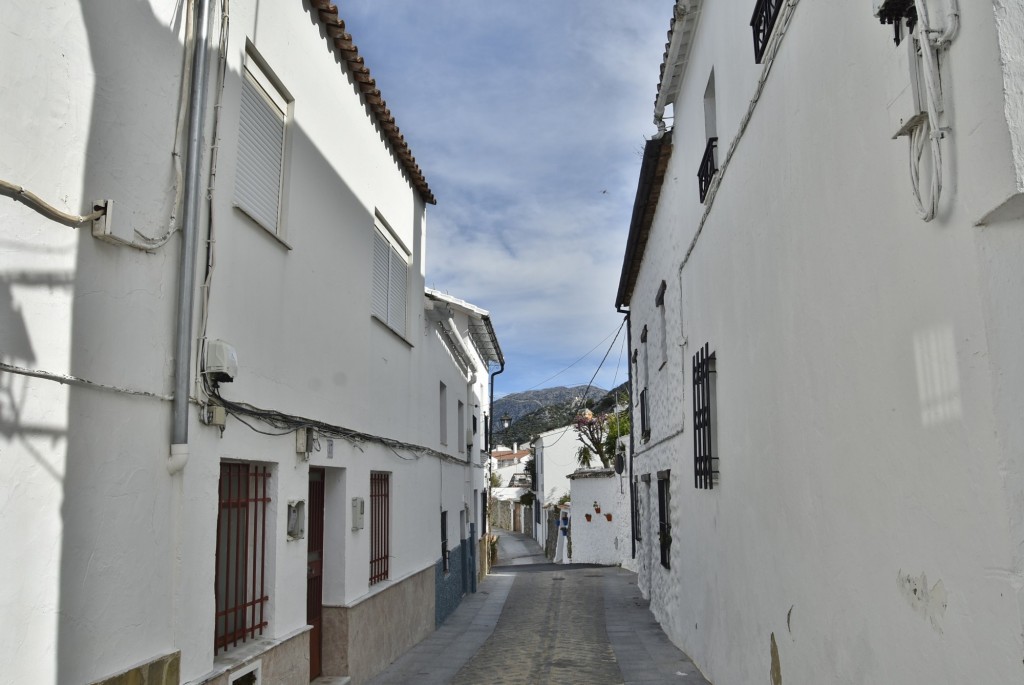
315,569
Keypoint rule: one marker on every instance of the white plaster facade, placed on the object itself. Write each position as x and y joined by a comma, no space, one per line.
866,524
604,537
109,558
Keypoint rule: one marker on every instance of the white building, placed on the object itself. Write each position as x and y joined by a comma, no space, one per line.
314,515
827,387
556,458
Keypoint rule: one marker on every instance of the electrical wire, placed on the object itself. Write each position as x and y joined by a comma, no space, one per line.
778,32
46,209
583,398
145,243
928,132
211,260
284,424
570,365
67,379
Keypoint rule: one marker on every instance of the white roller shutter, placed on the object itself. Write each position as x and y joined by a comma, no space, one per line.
398,292
260,156
381,256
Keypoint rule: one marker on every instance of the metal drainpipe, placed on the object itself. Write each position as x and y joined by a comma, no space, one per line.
189,231
490,448
632,425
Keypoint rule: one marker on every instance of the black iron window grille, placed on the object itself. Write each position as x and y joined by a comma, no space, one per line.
444,542
637,510
705,462
239,578
664,522
380,525
708,167
766,12
645,417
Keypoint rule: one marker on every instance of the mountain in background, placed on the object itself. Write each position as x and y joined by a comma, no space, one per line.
536,411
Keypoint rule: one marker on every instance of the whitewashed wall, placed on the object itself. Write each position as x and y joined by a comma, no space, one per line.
600,541
864,374
100,538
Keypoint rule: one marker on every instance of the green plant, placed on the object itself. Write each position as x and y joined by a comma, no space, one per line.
599,434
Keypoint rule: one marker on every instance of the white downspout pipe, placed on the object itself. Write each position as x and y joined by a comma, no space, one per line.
187,262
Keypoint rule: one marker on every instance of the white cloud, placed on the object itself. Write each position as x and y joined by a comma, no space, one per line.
528,120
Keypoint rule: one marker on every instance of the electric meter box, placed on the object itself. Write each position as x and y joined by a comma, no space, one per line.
221,363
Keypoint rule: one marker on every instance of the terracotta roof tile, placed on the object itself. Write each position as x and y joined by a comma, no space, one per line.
334,26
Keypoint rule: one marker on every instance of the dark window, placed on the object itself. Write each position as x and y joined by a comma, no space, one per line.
444,541
380,525
705,460
762,23
708,168
637,510
645,417
239,578
664,513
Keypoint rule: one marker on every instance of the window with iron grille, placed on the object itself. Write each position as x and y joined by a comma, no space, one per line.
460,433
444,541
762,23
645,417
390,278
380,525
664,514
708,168
645,413
637,510
442,403
705,459
659,302
240,569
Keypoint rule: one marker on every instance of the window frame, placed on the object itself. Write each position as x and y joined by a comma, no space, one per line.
665,517
705,448
445,556
442,401
659,303
762,24
398,257
460,430
268,88
247,612
380,526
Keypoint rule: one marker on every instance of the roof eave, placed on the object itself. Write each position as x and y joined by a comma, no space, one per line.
336,36
657,152
677,55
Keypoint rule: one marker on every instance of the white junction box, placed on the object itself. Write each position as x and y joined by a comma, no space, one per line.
358,512
904,88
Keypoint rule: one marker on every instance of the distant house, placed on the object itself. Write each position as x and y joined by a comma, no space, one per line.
825,362
273,471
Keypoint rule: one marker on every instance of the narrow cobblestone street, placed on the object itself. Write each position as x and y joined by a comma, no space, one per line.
533,622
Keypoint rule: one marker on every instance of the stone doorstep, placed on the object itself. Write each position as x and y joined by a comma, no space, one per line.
332,680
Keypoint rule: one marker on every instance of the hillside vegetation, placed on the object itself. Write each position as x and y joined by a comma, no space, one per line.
536,411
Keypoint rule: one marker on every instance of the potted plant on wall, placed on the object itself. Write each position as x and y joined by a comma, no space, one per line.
608,516
597,507
587,516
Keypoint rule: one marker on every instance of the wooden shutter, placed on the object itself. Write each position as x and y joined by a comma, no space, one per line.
260,156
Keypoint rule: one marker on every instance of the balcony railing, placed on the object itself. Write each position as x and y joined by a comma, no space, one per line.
762,23
708,167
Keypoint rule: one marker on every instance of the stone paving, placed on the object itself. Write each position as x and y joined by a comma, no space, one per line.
533,623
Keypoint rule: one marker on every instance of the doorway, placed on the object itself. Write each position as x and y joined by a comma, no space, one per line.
315,570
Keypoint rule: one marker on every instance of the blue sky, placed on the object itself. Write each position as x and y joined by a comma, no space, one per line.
528,120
